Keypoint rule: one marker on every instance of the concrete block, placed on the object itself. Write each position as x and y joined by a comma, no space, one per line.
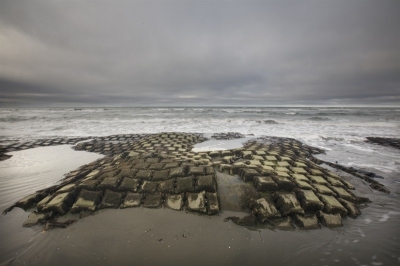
152,201
212,203
334,181
144,174
342,193
283,183
299,170
307,222
184,184
111,199
196,170
90,184
177,172
265,183
66,188
132,200
284,223
87,201
206,183
167,186
149,187
332,205
330,220
309,201
160,175
43,202
248,174
174,201
287,203
303,185
283,164
35,218
60,203
318,179
109,183
196,202
352,210
29,200
300,177
172,165
156,166
321,189
265,210
129,184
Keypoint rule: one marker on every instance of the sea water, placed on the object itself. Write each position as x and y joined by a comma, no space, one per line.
337,130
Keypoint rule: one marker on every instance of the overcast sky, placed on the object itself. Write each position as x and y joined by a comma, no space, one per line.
129,53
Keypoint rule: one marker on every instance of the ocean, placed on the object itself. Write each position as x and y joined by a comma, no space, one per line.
371,239
336,130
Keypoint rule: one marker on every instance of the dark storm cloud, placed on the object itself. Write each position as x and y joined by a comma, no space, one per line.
127,53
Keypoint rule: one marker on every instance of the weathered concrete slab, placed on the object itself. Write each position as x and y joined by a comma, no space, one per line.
152,201
132,200
206,183
127,172
196,170
284,223
265,210
43,202
352,210
111,199
265,183
334,181
66,188
160,175
248,174
330,220
28,201
283,183
144,174
167,186
177,172
342,193
174,201
212,203
196,202
129,184
90,184
149,187
316,172
184,184
318,180
109,183
156,166
309,201
60,203
299,170
35,218
332,206
300,177
307,222
323,190
152,160
87,201
172,165
287,203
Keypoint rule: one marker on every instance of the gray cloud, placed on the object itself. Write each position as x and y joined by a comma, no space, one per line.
126,53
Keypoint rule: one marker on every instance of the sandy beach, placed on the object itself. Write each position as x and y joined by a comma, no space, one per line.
163,236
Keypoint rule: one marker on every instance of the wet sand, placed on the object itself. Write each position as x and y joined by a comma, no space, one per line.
163,236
